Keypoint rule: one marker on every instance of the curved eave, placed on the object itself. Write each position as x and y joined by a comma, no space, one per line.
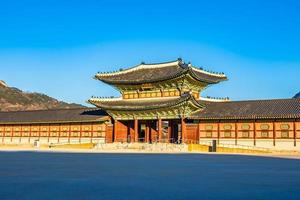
188,97
201,79
208,77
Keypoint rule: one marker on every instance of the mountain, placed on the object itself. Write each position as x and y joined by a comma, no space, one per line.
14,99
297,95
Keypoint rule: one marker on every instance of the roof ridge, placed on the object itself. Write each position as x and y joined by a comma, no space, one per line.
142,65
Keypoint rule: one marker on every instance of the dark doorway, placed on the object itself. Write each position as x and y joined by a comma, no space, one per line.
176,132
142,132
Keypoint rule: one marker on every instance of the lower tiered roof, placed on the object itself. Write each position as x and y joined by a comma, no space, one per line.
203,110
142,104
149,108
53,116
252,109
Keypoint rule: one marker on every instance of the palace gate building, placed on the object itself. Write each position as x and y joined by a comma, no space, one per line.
162,103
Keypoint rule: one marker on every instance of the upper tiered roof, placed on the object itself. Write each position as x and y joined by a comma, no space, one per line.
150,73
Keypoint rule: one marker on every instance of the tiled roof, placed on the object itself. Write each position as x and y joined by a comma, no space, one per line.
52,116
149,73
255,109
141,104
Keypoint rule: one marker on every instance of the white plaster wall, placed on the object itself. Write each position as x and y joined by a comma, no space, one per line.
43,140
245,142
98,140
227,141
285,144
63,140
74,140
264,143
53,140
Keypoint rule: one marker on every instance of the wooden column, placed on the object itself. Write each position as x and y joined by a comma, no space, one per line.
295,133
136,130
274,134
80,132
39,131
59,130
3,134
170,131
236,132
69,137
48,134
218,132
29,133
183,130
21,131
254,133
159,129
199,136
147,132
115,130
92,132
12,133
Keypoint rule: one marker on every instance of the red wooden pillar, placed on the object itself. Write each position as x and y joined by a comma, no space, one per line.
39,131
199,136
295,136
236,132
80,132
59,130
274,134
147,132
3,134
92,131
21,131
183,130
170,131
12,133
69,137
136,130
159,129
254,136
29,133
49,133
115,130
218,133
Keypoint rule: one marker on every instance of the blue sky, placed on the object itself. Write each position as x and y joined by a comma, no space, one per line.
55,47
